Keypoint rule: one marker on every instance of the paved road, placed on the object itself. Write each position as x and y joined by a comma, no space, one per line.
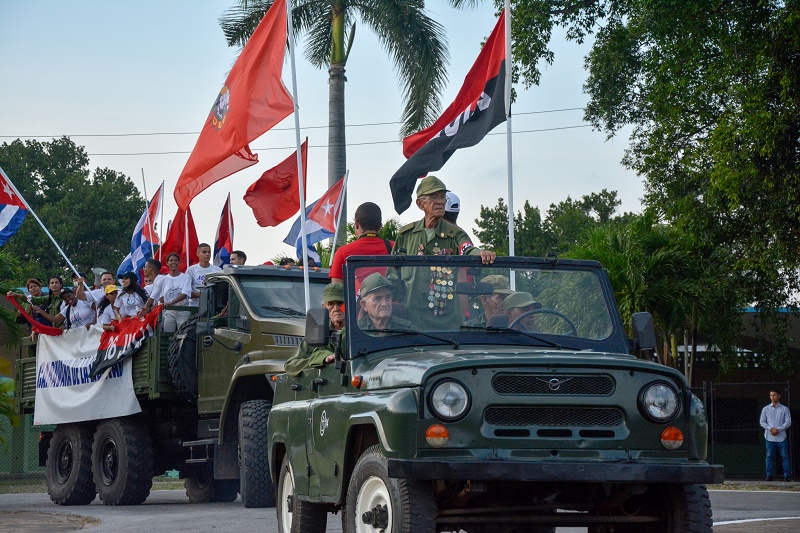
168,511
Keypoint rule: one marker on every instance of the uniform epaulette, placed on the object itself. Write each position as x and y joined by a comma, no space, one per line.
406,228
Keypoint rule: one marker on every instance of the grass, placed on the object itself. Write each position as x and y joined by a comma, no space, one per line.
37,484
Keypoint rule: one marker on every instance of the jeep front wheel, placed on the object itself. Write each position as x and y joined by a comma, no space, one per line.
375,502
69,465
255,484
122,461
294,515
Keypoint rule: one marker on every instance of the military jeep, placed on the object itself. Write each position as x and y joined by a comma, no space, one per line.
488,426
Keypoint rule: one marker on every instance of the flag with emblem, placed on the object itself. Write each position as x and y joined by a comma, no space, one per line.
252,100
275,196
477,109
12,209
327,208
223,243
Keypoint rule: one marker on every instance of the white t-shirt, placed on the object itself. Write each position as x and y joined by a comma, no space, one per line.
128,303
198,276
94,296
81,314
170,287
106,316
149,288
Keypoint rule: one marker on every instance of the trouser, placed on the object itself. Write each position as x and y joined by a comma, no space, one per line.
173,320
782,448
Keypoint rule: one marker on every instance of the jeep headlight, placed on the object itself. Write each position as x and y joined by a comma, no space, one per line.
659,402
449,400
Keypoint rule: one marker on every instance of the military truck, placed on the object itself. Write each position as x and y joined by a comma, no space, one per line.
544,421
203,393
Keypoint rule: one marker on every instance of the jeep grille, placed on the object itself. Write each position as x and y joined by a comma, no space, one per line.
552,384
553,416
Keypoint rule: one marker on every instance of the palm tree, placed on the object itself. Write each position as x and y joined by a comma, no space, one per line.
415,43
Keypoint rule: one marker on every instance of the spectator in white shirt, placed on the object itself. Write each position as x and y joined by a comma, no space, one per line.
73,312
775,418
131,298
170,290
197,273
106,312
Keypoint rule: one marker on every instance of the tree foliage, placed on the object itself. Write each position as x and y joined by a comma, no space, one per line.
91,215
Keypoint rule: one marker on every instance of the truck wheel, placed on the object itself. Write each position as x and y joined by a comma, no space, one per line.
255,484
69,465
198,487
294,515
377,502
182,360
122,461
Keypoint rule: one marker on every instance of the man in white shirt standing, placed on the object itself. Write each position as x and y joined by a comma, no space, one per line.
172,289
198,272
775,418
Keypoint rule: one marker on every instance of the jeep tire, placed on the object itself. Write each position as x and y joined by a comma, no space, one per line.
393,505
255,483
122,461
294,515
69,465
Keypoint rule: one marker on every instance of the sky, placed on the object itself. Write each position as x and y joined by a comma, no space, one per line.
133,82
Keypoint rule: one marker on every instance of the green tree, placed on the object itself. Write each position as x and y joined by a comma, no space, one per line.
414,42
90,215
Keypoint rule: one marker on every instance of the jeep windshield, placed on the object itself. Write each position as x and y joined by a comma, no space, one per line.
422,300
281,297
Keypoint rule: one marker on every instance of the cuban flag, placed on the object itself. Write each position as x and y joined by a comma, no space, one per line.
223,243
144,237
326,212
314,233
12,209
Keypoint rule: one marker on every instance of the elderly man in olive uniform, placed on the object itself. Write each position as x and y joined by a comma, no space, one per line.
517,304
315,357
376,306
492,303
438,309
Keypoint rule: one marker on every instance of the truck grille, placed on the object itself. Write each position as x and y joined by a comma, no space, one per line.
287,340
553,384
553,416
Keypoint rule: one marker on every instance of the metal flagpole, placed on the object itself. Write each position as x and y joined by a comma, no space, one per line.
509,159
300,169
186,235
30,210
339,214
160,235
147,223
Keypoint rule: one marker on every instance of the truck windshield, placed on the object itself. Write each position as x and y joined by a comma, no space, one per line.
281,297
554,305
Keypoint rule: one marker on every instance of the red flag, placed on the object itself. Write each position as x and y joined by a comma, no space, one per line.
326,211
176,239
223,242
36,327
275,196
477,109
252,100
128,336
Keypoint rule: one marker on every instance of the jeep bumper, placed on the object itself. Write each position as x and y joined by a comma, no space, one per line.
551,471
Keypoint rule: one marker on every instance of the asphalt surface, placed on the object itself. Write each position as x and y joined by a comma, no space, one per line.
735,511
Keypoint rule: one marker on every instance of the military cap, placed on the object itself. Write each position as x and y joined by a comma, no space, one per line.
520,299
334,292
430,185
374,282
500,283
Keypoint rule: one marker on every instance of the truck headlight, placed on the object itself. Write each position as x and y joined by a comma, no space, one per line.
659,402
449,400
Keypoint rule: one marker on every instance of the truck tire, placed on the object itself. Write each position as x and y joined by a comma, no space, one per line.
182,360
122,461
294,515
202,488
69,465
392,505
255,483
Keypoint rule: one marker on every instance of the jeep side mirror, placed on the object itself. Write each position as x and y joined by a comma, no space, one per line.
644,334
317,327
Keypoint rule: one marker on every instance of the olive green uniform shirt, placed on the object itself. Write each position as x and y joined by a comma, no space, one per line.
309,357
430,298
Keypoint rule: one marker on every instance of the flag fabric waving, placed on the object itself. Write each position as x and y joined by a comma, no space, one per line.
12,210
144,237
326,210
477,109
128,336
252,100
275,196
178,242
36,326
223,243
314,234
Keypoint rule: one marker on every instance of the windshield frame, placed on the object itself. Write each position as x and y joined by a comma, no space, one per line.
360,343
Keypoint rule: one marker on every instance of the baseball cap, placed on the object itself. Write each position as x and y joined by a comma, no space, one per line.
333,292
374,282
500,283
452,203
430,185
130,275
110,288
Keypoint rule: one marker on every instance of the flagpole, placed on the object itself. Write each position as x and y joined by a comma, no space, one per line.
300,169
509,159
30,210
186,235
146,216
160,235
339,214
230,221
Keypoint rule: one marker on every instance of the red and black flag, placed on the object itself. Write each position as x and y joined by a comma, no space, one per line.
478,108
128,336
